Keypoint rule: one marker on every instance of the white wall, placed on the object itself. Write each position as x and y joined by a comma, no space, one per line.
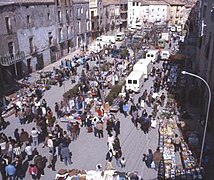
151,13
158,13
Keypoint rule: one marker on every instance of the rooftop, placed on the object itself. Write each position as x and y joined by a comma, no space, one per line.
8,2
116,2
154,2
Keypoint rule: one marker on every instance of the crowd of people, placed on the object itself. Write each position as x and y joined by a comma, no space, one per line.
20,149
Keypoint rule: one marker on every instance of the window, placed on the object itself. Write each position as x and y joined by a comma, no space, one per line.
68,30
79,26
78,11
86,14
8,25
67,15
11,48
28,20
152,10
163,9
48,6
133,4
137,3
134,81
204,10
58,2
59,16
60,34
158,9
50,37
71,14
31,44
129,81
49,16
88,25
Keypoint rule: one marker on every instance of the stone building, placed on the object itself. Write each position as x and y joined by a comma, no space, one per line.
27,37
64,27
177,12
204,62
151,11
81,23
115,15
96,18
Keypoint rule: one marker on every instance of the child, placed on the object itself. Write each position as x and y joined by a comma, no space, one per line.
123,162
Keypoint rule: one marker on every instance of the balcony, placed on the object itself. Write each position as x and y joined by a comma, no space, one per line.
94,18
33,50
11,59
70,36
123,19
123,10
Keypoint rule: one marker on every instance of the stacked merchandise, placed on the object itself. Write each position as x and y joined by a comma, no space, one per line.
167,168
189,163
170,167
95,175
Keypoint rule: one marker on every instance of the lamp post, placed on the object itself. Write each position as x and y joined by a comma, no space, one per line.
207,115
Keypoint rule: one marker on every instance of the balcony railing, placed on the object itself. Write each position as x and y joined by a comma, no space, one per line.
11,59
123,10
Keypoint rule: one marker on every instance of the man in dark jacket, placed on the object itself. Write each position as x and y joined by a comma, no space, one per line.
39,162
66,155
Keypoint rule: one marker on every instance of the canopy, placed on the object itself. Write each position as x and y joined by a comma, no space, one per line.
179,57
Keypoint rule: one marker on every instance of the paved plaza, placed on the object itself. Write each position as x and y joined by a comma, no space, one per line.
88,150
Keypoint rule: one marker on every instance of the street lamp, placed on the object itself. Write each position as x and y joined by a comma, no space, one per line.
207,115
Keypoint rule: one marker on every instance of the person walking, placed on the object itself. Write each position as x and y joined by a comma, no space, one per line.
157,158
29,151
99,127
39,162
66,155
10,171
16,135
125,109
117,127
177,142
33,171
123,162
24,136
149,158
35,135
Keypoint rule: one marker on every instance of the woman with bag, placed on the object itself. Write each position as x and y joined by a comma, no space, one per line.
33,171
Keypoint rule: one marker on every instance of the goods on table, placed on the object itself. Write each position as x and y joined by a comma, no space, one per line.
169,166
94,175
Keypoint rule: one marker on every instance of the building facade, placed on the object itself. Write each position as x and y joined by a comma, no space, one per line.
152,11
81,23
204,62
64,25
96,18
26,36
115,16
177,12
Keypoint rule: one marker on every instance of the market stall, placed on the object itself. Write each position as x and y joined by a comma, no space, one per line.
95,174
175,165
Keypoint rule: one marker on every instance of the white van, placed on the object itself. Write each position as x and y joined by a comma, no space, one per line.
152,55
135,81
103,40
164,55
120,36
145,66
109,39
